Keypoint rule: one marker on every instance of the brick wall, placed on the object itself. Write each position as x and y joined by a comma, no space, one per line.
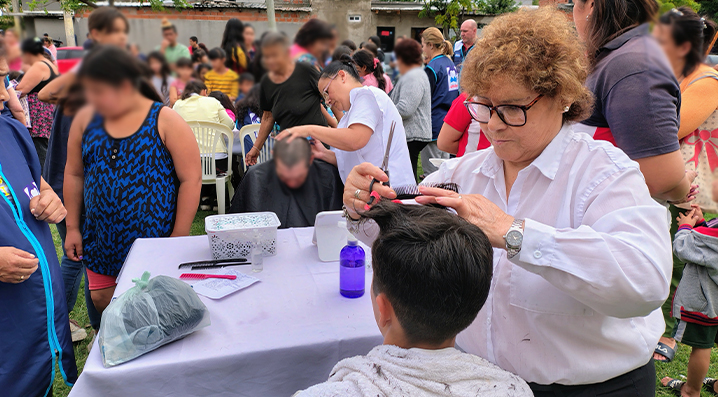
211,14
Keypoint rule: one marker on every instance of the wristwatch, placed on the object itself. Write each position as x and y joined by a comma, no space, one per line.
514,238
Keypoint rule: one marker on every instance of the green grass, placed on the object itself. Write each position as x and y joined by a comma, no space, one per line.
79,313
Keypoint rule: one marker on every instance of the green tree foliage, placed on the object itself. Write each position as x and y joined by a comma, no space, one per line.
709,8
446,13
669,4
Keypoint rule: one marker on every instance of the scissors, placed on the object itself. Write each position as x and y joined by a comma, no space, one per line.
384,167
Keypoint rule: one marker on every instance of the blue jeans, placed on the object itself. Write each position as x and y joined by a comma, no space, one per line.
72,273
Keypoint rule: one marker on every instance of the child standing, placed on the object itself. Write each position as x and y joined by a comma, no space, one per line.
161,75
184,72
132,163
221,78
695,303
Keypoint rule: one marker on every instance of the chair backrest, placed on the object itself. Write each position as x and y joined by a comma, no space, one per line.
212,138
266,153
251,131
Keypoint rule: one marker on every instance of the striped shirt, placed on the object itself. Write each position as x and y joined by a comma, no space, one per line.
227,82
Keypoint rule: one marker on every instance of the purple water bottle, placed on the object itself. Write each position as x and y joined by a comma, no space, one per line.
351,269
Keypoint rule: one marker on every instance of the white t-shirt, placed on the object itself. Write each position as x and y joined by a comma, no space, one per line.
373,108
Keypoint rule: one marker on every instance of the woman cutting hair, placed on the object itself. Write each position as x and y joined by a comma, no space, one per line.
581,250
363,132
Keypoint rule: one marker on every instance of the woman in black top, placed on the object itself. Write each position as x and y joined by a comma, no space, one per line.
288,95
41,72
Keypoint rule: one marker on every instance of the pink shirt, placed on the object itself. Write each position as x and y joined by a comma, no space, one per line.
231,114
179,85
370,80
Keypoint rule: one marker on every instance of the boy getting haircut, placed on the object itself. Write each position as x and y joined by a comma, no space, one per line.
432,275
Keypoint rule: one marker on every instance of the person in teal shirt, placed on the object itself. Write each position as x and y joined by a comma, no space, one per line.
171,49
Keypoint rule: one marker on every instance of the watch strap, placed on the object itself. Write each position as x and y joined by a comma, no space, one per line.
518,225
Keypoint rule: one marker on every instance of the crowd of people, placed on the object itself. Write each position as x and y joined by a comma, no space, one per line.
568,142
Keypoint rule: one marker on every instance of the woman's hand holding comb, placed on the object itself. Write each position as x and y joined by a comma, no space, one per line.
356,188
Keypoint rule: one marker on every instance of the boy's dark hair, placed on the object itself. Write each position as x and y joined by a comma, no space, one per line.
194,38
349,43
434,267
193,87
113,65
184,63
687,26
216,53
246,77
375,40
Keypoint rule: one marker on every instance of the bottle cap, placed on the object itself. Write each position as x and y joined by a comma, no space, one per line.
351,239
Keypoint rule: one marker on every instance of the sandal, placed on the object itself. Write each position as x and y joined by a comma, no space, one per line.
666,351
675,385
709,385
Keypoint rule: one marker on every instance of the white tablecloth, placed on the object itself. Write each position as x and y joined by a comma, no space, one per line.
278,336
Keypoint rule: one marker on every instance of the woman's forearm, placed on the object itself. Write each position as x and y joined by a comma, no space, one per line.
340,138
73,188
187,202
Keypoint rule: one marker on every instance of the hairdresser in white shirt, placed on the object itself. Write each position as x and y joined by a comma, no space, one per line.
363,131
582,255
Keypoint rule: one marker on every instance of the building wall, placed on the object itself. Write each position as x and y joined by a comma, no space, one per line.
404,21
338,12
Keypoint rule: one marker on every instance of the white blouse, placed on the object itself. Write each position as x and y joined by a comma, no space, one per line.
580,303
371,107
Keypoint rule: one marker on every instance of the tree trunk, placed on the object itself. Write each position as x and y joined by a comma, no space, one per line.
18,21
69,29
270,15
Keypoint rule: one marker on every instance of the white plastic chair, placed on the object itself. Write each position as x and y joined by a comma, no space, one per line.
212,139
251,130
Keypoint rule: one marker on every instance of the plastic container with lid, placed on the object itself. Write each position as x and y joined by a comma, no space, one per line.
233,235
352,272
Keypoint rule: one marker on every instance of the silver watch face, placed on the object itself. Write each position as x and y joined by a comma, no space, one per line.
514,239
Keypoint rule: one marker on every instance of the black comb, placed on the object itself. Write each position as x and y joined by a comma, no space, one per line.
214,263
408,192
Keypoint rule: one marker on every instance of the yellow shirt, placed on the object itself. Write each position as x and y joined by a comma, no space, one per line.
228,82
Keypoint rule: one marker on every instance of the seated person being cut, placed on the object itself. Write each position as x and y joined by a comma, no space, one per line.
294,186
431,278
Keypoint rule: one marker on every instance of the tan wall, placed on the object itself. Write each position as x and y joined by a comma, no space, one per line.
338,12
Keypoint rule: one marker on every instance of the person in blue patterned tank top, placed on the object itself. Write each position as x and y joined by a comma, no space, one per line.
133,164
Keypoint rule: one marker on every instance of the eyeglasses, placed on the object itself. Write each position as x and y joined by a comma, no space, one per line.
511,115
325,91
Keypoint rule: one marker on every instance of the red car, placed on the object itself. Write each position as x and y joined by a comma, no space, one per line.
68,57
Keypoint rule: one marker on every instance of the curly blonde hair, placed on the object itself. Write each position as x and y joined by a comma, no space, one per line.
537,48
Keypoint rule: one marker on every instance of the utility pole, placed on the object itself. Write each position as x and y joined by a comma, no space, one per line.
69,29
16,9
270,15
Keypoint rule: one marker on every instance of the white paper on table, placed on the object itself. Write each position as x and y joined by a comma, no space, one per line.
216,288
